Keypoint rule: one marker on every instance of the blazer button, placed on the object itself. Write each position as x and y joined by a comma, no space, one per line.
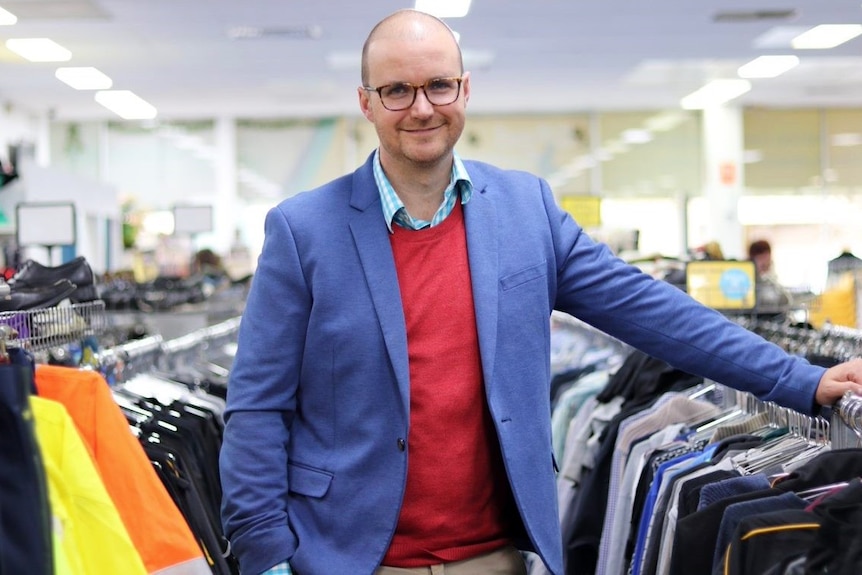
402,445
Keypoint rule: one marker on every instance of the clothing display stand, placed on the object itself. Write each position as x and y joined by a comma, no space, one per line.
847,422
627,449
154,352
39,330
173,393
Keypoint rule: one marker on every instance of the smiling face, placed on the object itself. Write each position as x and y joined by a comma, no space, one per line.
413,47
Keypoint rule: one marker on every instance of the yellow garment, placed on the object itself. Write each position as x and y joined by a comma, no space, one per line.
93,538
837,305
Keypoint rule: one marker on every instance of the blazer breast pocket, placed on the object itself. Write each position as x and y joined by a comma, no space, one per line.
523,276
308,481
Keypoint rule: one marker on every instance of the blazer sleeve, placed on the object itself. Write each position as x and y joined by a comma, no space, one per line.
665,322
262,402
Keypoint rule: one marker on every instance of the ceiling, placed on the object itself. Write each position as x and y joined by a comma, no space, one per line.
525,56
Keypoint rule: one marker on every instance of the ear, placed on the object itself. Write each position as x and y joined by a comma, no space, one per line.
465,86
365,104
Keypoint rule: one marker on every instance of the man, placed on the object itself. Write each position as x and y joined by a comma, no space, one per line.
771,297
389,402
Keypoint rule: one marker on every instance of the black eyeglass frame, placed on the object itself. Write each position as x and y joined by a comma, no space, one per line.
416,87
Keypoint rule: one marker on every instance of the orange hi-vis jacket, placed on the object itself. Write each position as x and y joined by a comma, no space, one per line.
155,524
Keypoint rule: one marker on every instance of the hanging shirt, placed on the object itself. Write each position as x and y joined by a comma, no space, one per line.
155,524
88,532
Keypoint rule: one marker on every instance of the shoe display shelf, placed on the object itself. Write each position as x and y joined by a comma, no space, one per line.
180,319
51,327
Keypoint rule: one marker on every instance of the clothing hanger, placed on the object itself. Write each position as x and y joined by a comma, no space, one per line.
817,492
806,437
133,412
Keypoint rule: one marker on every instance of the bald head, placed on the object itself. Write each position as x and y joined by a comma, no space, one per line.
409,25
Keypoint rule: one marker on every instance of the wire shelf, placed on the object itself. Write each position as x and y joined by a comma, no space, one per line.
47,328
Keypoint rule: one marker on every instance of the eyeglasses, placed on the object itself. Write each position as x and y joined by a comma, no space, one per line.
401,95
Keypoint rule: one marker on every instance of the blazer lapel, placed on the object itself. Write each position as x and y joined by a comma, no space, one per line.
375,253
480,219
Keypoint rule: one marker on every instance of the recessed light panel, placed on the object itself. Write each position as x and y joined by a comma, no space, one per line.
444,8
826,36
7,18
126,104
715,93
84,78
768,66
39,49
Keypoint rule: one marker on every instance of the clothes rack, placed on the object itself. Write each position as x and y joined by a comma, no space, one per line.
621,526
124,361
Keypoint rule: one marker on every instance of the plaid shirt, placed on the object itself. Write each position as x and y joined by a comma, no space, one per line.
393,207
280,569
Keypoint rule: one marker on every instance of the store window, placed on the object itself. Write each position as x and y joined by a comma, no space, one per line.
782,150
545,145
161,165
649,164
803,184
843,133
278,158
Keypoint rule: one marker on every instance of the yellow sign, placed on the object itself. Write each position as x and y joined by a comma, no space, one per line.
587,210
722,285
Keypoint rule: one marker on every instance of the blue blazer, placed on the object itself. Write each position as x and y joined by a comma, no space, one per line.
313,462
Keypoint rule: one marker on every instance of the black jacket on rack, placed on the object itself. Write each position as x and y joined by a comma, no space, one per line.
182,440
25,517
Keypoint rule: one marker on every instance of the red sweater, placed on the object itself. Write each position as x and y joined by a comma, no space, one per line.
457,502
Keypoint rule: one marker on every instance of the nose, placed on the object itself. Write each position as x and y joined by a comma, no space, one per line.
421,106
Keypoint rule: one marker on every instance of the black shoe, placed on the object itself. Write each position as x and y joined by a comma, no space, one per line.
33,274
24,298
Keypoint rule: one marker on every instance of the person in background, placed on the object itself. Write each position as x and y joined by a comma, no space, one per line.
388,406
208,265
760,252
770,296
710,251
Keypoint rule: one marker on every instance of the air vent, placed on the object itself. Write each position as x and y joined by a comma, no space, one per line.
288,32
753,15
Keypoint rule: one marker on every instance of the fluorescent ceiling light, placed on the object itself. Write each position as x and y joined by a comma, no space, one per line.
826,36
83,78
39,49
126,104
664,121
752,156
768,66
7,18
444,8
715,93
846,139
634,136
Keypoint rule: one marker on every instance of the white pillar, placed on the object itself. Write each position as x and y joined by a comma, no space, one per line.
43,140
723,178
226,201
